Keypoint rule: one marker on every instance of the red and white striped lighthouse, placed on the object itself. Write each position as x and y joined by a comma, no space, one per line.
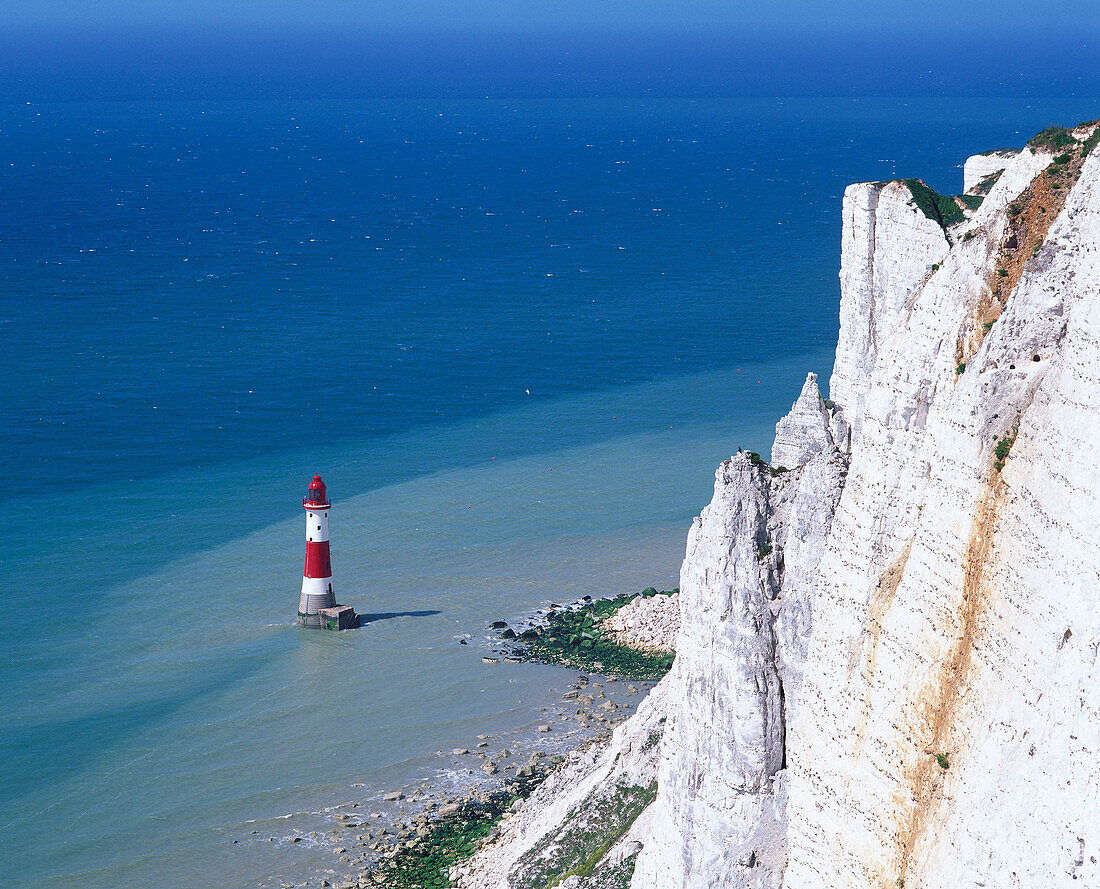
317,575
317,607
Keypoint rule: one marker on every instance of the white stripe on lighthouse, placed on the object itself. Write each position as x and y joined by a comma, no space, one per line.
316,526
316,586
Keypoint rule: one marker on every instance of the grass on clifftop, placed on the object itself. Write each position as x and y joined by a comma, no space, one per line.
1030,216
1059,140
574,639
940,208
1090,143
947,210
1051,139
984,187
972,201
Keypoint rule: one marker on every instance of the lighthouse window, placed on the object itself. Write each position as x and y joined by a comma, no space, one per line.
318,527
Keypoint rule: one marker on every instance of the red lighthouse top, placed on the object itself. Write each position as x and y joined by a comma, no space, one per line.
316,498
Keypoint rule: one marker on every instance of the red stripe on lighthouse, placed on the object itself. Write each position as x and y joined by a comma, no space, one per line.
317,559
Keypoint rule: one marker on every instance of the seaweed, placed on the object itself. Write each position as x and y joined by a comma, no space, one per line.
427,863
574,638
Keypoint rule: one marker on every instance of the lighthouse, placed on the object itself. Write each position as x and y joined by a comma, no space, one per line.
317,607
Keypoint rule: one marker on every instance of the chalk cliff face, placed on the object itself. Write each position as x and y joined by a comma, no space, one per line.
980,166
718,803
949,730
811,426
887,664
888,248
745,598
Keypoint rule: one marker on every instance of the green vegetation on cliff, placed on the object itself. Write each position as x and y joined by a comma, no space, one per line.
587,834
1051,139
940,208
1090,143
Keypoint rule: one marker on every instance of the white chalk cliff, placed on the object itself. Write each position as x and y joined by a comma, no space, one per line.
957,613
980,166
810,427
888,661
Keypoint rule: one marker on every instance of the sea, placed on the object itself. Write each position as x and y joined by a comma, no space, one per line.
515,336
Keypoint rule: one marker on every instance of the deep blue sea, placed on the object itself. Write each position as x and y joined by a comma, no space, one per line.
516,336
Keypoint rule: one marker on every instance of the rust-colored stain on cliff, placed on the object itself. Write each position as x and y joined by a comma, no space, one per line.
946,687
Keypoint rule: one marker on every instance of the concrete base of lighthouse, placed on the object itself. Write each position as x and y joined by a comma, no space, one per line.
311,603
342,617
338,617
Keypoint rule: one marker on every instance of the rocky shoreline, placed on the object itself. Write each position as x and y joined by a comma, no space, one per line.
629,636
427,830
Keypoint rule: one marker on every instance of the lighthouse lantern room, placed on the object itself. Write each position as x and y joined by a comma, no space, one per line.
317,606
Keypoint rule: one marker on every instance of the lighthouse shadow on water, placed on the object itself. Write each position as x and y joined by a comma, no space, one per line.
317,608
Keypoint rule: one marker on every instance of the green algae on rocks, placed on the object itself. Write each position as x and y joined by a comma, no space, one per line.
574,638
580,846
426,864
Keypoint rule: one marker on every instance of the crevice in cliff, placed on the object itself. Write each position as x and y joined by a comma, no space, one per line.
774,529
782,707
780,492
872,236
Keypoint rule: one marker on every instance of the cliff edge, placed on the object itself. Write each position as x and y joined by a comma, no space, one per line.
887,661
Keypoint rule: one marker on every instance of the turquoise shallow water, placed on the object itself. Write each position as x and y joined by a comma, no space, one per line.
188,710
543,324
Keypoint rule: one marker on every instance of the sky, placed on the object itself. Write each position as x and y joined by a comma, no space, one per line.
1066,16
